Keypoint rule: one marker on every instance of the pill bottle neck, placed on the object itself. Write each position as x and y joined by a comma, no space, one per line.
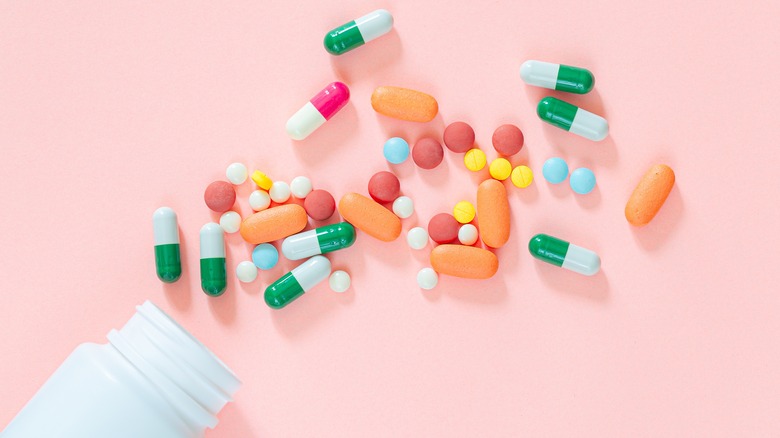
191,379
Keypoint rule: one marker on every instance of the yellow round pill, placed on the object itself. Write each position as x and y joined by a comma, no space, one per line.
522,176
475,160
464,212
500,169
262,180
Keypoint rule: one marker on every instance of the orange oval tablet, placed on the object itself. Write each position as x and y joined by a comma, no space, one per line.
464,261
649,196
493,213
404,104
370,217
274,223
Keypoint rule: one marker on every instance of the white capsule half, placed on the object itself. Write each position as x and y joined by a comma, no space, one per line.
212,241
581,260
301,245
374,24
540,74
589,125
304,122
166,228
312,272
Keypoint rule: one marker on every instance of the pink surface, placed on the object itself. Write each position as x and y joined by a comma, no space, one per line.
109,110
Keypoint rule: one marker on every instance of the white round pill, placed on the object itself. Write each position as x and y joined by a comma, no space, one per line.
468,234
427,278
230,221
339,281
236,173
280,192
417,238
259,200
403,207
300,187
246,272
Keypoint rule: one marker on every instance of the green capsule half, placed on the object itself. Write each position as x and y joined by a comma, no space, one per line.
296,282
167,256
573,119
319,241
358,32
557,77
213,268
564,254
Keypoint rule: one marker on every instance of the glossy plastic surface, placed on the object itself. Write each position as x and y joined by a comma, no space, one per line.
557,77
319,241
556,112
354,34
293,284
564,254
213,269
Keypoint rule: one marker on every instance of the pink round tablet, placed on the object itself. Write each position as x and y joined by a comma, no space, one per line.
459,137
443,228
427,153
384,187
319,205
508,139
220,196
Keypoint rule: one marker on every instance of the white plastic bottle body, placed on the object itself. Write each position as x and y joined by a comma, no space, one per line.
97,393
152,379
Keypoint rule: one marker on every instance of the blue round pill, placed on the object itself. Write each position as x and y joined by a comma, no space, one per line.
265,256
396,150
555,170
582,180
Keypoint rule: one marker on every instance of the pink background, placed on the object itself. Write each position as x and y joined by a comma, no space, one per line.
109,110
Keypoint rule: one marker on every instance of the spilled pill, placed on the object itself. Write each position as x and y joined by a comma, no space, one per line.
493,213
274,223
354,34
404,104
370,217
464,261
557,76
649,195
318,110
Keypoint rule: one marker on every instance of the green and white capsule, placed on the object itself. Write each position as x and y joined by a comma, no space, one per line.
167,256
573,119
557,77
213,269
358,32
319,241
293,284
561,253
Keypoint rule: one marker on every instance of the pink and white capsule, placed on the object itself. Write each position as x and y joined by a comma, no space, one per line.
318,110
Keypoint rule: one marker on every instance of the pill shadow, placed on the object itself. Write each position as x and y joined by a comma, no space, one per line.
223,307
594,288
436,177
488,292
527,195
315,307
368,61
412,131
179,294
653,235
589,201
603,153
560,190
402,170
316,149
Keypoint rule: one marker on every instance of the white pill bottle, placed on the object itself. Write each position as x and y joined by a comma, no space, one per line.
151,380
